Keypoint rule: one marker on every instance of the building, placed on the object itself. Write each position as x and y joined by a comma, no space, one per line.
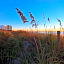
7,27
2,27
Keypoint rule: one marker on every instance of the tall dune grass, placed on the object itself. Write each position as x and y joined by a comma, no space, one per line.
30,48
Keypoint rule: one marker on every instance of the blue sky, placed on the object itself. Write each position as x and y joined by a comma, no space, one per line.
50,8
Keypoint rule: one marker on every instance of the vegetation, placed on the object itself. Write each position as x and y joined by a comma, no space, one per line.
20,47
